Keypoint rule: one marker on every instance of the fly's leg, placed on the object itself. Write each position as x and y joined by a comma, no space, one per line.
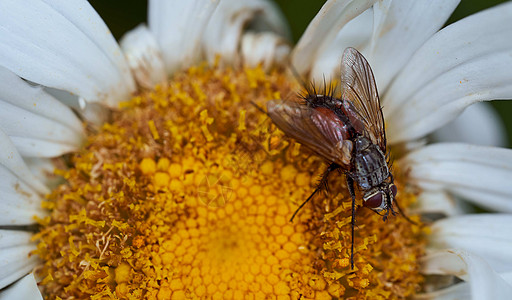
389,206
350,185
321,184
404,215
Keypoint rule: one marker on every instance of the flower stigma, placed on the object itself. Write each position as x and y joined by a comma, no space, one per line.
188,193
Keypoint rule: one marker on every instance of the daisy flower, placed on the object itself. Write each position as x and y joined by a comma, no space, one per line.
118,182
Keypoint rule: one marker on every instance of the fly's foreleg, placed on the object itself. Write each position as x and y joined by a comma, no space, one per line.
350,185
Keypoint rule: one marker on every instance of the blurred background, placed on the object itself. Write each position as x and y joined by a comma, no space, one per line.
123,15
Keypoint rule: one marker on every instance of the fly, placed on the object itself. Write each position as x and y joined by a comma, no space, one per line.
348,132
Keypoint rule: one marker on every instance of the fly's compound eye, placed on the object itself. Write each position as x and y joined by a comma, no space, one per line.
394,190
374,201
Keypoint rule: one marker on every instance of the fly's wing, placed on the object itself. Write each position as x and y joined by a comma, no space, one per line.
316,130
358,86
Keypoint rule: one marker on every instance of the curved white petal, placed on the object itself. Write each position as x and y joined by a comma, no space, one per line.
437,202
38,124
479,124
25,288
64,45
20,191
323,29
224,32
466,62
94,113
144,57
265,48
460,290
178,27
15,262
479,174
43,169
483,281
11,161
486,235
400,28
356,34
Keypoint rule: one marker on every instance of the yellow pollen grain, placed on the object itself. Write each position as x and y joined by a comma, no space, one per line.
154,132
198,207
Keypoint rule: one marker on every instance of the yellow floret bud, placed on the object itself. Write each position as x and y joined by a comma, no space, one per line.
175,170
122,290
282,289
164,293
302,179
163,164
148,166
288,173
267,168
123,273
161,179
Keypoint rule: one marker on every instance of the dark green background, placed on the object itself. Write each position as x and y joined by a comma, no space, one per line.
122,16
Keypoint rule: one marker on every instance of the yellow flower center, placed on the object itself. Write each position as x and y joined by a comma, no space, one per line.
188,193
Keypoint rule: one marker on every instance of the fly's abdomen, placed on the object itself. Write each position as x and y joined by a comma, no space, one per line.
370,167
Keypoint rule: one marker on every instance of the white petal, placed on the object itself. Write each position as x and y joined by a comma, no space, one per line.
323,29
478,173
25,288
11,161
64,45
265,48
458,291
144,57
20,191
356,33
479,124
15,247
19,203
223,35
13,238
43,169
486,235
38,124
400,28
94,113
466,62
178,27
437,202
484,282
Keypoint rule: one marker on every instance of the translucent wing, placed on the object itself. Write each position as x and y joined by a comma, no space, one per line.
358,86
321,131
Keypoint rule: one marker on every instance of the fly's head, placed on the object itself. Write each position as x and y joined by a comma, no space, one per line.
381,197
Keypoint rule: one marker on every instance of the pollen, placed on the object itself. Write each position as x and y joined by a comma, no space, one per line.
188,193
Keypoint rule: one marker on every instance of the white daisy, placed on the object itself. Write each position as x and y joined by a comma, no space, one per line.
59,56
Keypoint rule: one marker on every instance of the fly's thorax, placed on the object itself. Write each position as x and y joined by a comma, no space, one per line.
370,166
